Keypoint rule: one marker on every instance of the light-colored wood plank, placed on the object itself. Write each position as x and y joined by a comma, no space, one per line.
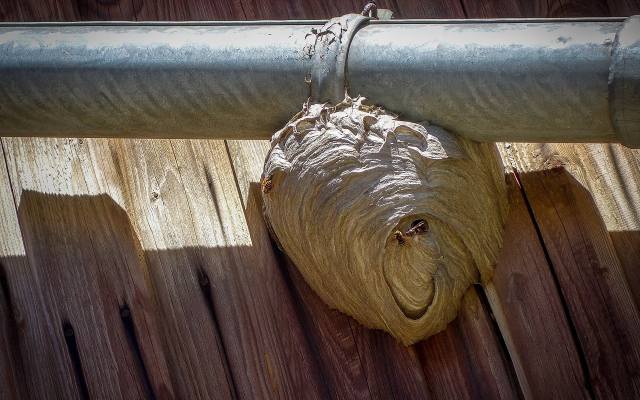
182,195
47,370
86,265
12,384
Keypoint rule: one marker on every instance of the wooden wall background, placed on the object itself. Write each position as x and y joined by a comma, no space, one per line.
142,268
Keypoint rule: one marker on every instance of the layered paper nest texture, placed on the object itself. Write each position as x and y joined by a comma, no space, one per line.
388,221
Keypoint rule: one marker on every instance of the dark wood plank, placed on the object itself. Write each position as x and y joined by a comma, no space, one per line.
331,338
529,310
75,267
34,346
393,371
582,8
12,379
600,303
310,9
11,373
427,9
623,8
48,10
269,355
466,361
10,11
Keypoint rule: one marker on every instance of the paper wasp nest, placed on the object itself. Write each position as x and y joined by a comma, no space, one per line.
388,221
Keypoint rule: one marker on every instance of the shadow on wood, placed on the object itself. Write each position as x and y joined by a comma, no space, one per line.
84,318
82,314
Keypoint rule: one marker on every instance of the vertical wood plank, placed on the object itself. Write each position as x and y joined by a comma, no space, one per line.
610,172
589,263
267,349
82,252
10,11
530,312
329,332
189,205
623,8
12,379
38,350
466,360
257,318
591,278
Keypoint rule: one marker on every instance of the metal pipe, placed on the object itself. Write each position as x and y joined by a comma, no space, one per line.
574,80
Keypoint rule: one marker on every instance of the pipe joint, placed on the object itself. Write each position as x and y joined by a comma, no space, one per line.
328,48
624,83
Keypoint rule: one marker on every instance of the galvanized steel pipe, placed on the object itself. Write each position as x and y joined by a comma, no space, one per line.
574,80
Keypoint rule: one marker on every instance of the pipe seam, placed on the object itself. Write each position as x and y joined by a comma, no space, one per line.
624,83
328,48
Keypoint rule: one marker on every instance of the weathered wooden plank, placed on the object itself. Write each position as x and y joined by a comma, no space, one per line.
392,370
530,313
70,242
39,345
196,227
591,278
11,374
466,360
183,10
623,8
329,332
48,10
66,167
331,338
10,11
430,9
12,380
610,173
261,331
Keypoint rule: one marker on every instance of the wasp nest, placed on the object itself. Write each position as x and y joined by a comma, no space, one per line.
388,221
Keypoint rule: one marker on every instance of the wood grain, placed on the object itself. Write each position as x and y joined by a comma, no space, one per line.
12,379
197,210
530,312
466,360
183,207
592,267
36,345
592,281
